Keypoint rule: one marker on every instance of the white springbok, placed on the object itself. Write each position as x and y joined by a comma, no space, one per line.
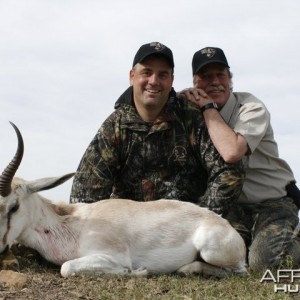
116,236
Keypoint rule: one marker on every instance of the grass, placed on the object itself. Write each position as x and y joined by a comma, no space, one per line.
48,284
45,283
174,287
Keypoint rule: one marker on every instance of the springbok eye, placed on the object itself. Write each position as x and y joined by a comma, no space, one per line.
13,209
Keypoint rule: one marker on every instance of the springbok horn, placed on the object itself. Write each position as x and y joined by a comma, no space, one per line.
11,169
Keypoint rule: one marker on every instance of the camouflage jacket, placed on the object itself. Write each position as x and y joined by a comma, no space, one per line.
172,157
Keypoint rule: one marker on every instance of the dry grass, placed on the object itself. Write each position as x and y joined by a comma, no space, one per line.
45,283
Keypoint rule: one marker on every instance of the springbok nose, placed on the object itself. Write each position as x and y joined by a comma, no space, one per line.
8,261
4,252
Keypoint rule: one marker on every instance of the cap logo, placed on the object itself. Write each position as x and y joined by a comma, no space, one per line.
209,52
157,46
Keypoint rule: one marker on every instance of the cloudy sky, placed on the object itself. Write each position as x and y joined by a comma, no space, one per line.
63,64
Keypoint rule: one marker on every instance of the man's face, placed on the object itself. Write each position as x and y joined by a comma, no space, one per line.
215,81
152,82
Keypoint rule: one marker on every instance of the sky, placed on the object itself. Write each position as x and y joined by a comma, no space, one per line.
64,63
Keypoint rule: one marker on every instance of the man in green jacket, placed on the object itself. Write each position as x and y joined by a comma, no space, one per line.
156,146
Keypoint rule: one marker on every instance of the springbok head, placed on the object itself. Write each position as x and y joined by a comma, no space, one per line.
9,205
15,195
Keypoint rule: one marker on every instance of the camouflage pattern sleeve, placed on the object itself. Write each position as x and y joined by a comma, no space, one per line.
93,179
225,180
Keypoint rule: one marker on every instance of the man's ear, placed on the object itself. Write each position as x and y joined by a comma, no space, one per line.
131,75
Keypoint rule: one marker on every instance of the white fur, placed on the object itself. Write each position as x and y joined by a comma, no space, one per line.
120,236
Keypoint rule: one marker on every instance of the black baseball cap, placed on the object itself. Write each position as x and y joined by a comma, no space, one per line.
206,56
153,48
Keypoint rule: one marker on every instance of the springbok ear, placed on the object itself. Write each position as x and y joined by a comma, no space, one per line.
47,183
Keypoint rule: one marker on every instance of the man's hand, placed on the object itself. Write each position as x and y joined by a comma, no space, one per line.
197,96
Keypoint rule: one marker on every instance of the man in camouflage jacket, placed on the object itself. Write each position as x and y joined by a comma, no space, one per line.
168,155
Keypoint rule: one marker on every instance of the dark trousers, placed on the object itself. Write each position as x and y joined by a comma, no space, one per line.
268,229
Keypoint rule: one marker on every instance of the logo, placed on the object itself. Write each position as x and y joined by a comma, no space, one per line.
157,46
180,154
209,52
284,280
